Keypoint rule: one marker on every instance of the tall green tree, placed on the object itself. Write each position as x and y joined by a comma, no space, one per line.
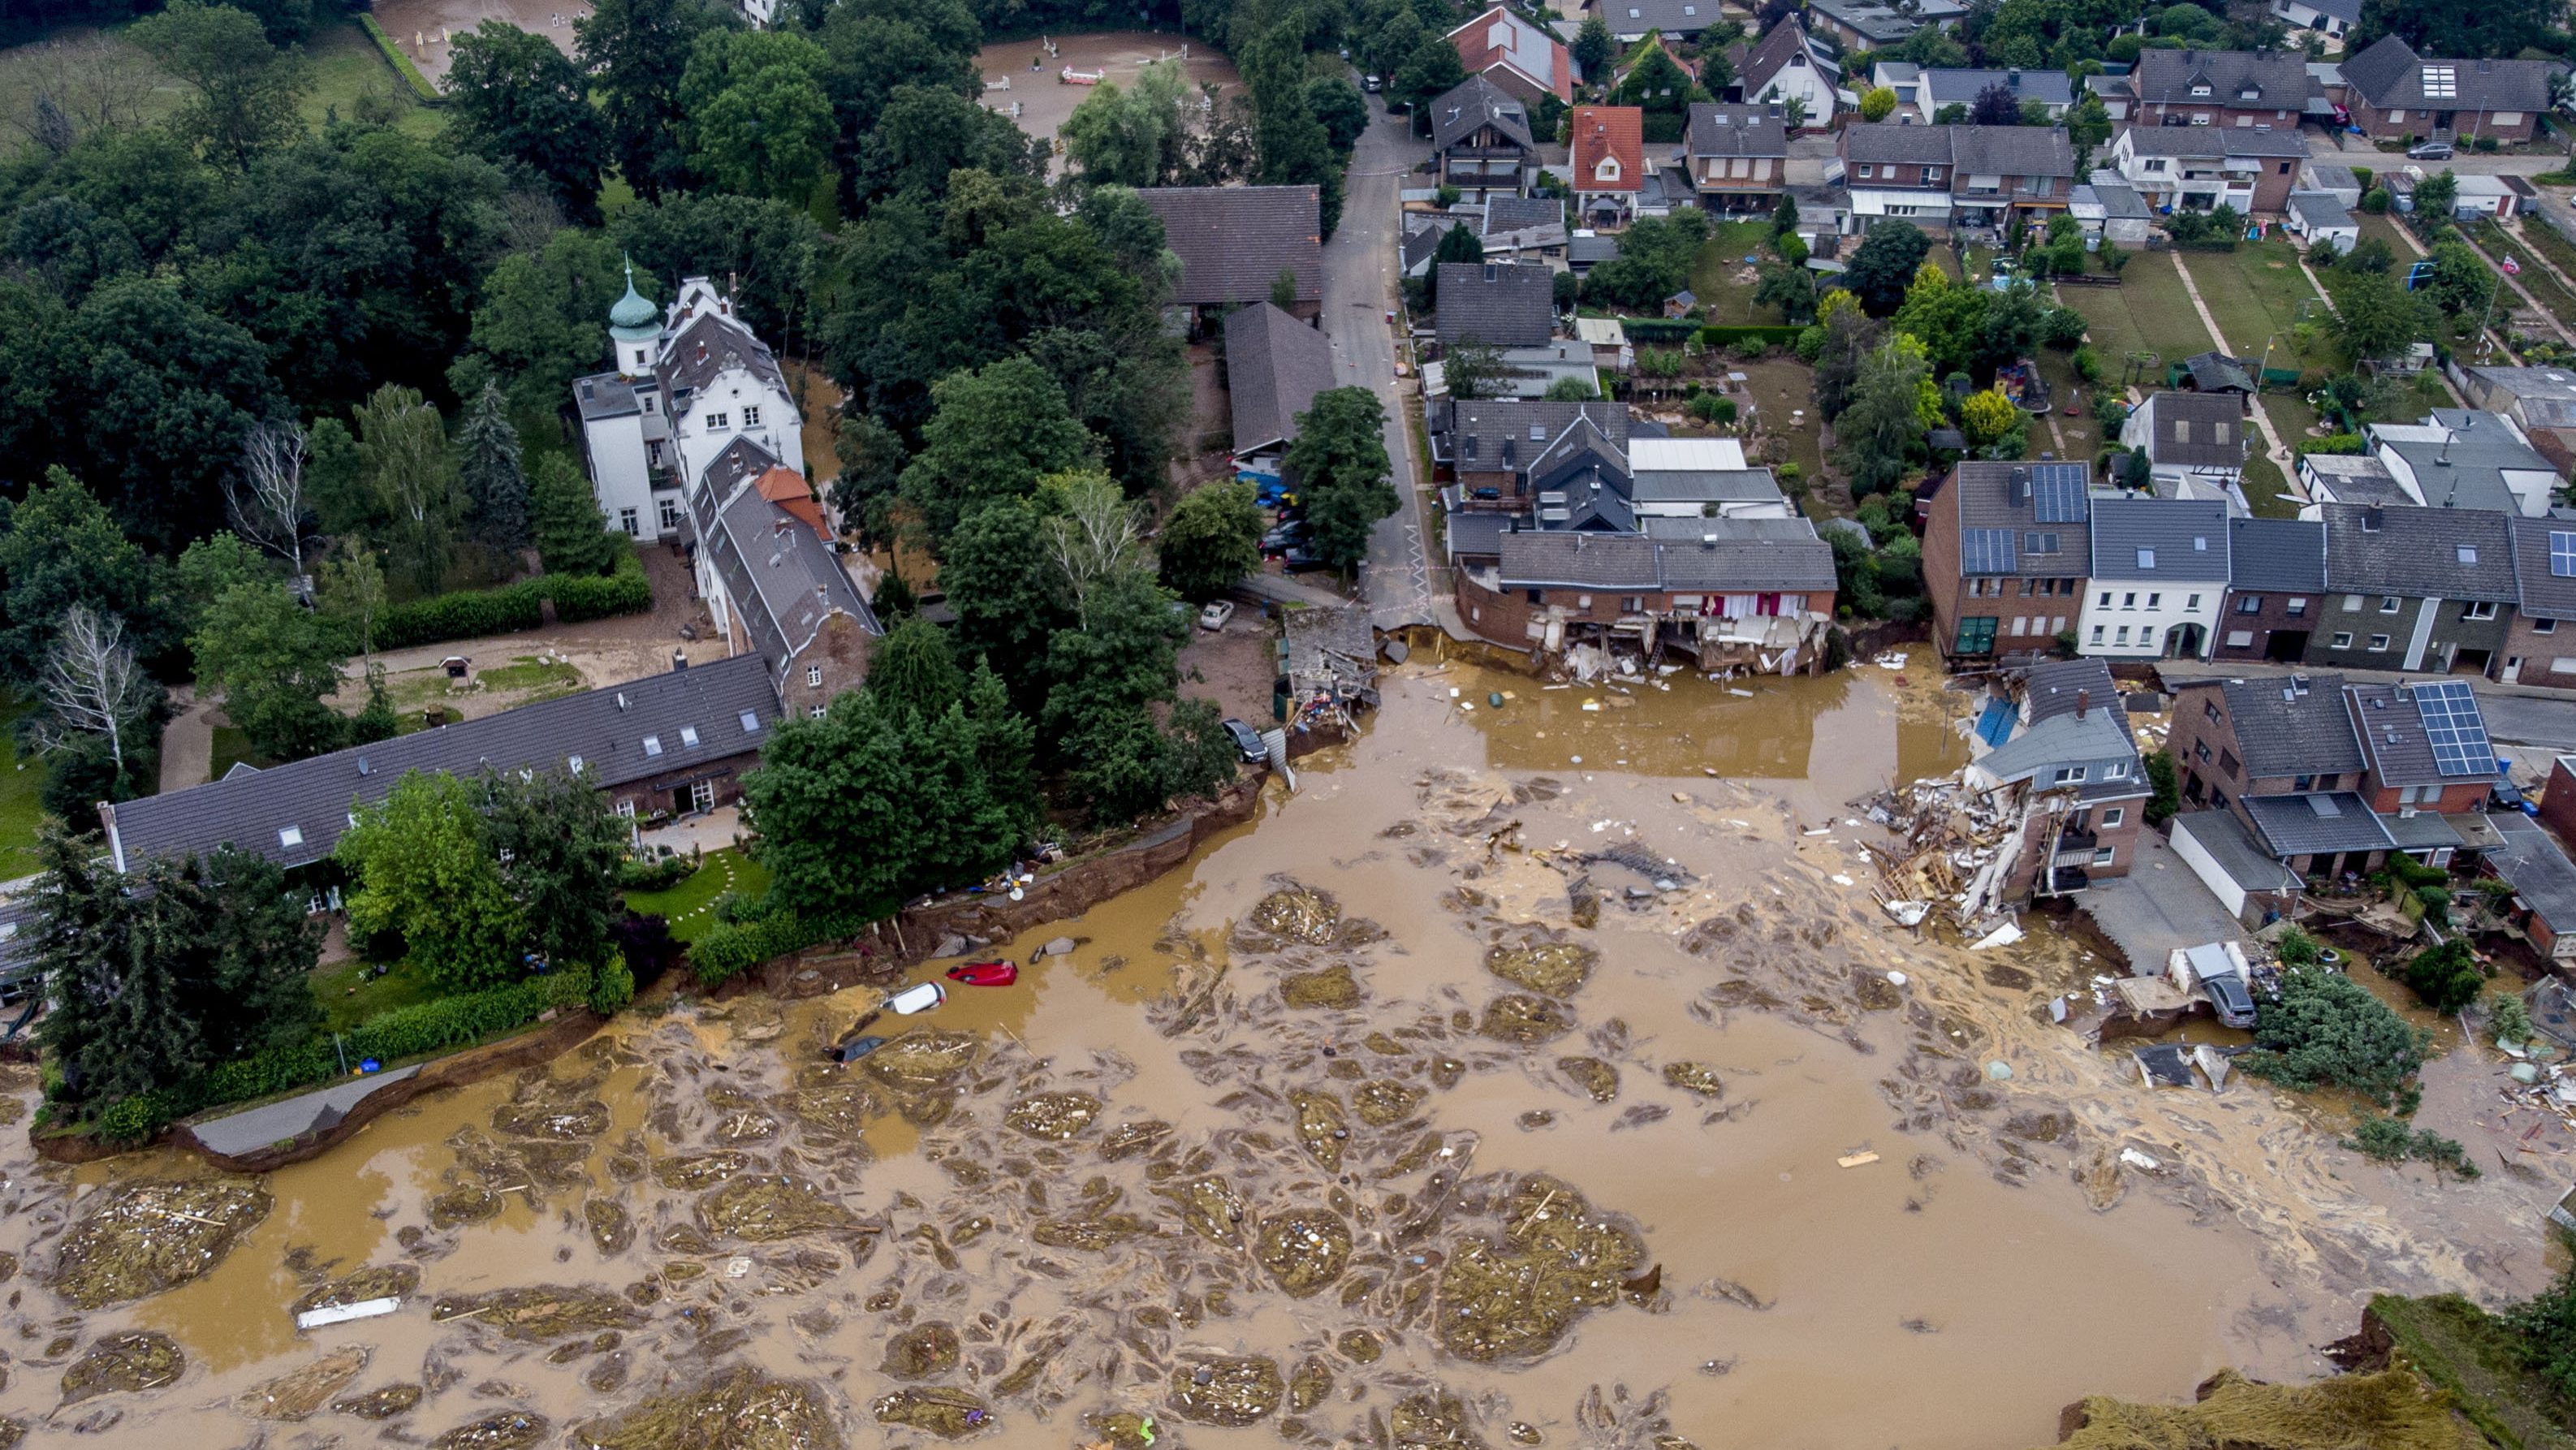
488,469
572,535
1882,431
766,250
758,120
1340,108
517,99
1883,266
276,664
1339,461
1592,47
159,396
558,846
1211,539
422,864
638,50
247,91
1431,71
1131,136
59,551
1007,594
1117,658
543,320
402,449
993,433
2379,319
915,669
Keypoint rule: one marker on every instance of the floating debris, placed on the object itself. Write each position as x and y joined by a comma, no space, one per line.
299,1394
1227,1390
1054,1117
947,1413
146,1238
1305,1250
741,1411
130,1362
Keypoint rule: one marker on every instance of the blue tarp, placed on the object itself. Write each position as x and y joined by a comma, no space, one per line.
1996,725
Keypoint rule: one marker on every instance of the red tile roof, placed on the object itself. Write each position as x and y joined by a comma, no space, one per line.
786,488
1498,38
1615,133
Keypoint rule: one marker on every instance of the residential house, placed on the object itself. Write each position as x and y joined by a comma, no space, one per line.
2538,400
2330,177
2393,93
1481,141
2349,478
1531,371
2466,458
2477,195
1495,304
2253,887
2068,772
2414,589
1235,241
2111,212
1976,176
2331,18
2540,641
2115,94
2200,168
1631,21
2159,570
662,745
685,382
1757,593
2276,584
2319,218
1523,228
1517,54
1608,165
770,573
1422,233
1608,339
1875,25
2556,807
2006,548
1937,89
2228,89
2543,903
1791,68
1737,154
2195,444
1488,444
1274,367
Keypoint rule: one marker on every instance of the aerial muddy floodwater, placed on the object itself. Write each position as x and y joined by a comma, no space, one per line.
1351,1131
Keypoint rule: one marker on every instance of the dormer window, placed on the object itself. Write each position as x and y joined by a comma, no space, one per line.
1607,169
652,745
2200,91
290,837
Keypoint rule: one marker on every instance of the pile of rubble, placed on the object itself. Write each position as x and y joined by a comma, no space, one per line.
1954,844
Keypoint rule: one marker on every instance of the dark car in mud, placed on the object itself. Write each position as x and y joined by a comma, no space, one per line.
1248,741
2226,992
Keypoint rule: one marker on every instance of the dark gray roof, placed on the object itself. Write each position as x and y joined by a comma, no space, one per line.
1668,17
1879,24
2320,209
2286,556
1964,85
2419,552
1477,534
2012,151
2391,75
784,579
2287,726
1474,103
709,346
2465,468
2007,499
2249,80
1693,530
1234,240
1889,141
2540,872
1421,243
1737,129
605,730
2302,825
1274,367
1488,433
1588,250
2196,430
2223,836
2354,478
2544,566
1635,562
605,395
2214,141
2053,688
1499,304
1782,43
1522,213
2215,372
2392,730
2160,540
1704,485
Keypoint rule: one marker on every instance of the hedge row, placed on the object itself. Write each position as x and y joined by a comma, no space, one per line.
730,948
420,86
2331,443
1724,336
442,1025
1658,329
468,614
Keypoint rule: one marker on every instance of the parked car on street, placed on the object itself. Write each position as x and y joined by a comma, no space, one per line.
2429,151
1291,532
1298,559
1247,740
1216,614
1372,84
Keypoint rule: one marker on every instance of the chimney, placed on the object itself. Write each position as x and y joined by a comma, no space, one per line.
2083,702
679,661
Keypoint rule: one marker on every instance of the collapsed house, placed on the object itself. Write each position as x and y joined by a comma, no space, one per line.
1331,671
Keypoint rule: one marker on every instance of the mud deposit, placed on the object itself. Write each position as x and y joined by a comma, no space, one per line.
1347,1133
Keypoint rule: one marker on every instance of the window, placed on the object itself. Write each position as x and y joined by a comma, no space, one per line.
2329,780
2544,626
575,763
626,808
2351,603
2123,636
2483,609
2378,642
2562,553
2070,775
2146,558
2228,763
670,512
2343,639
2200,751
750,723
688,737
2191,602
2021,624
1632,604
2106,599
1867,171
2116,770
2388,603
2113,816
2249,604
814,677
2297,605
626,520
1976,636
751,417
816,713
719,420
2240,639
2210,709
290,836
2468,553
652,744
2105,856
2129,600
2097,634
2155,601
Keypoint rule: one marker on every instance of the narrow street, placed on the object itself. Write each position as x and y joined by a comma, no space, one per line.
1359,288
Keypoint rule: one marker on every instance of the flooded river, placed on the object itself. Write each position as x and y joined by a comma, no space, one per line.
1497,1087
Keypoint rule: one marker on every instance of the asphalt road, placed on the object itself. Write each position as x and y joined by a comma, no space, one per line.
2522,720
1359,288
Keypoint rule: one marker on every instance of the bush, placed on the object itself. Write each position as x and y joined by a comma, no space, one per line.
468,614
2323,1029
2446,978
656,875
2508,1020
730,948
2375,201
421,89
579,597
611,987
2164,787
1736,336
1710,408
2337,443
2390,1141
2088,364
2297,949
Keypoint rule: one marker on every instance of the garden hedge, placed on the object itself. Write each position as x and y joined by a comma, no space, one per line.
420,87
1659,329
468,614
448,1023
1727,336
730,948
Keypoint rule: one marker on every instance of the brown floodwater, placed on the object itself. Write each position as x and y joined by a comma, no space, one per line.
1142,1165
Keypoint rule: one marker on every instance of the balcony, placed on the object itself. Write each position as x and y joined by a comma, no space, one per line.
2065,879
2078,838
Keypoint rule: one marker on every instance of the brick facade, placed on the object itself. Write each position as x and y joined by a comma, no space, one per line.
1512,617
2277,629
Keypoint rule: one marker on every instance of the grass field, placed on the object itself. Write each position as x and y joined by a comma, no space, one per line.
690,906
20,810
2257,293
1721,257
348,996
2468,1352
2147,312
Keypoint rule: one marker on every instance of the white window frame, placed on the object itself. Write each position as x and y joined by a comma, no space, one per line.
814,677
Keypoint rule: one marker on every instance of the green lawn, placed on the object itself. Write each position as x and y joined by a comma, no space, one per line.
2536,279
689,906
2147,312
546,678
20,810
2257,293
348,996
2264,486
1721,257
232,747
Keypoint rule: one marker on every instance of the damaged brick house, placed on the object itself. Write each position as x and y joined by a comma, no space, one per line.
2057,754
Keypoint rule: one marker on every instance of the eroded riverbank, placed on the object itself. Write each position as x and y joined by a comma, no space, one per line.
1331,1132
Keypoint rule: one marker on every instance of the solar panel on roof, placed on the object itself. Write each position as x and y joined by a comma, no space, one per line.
1986,551
2455,729
2057,492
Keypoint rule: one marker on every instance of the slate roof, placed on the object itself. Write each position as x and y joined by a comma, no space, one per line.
1989,496
2012,151
1504,214
2419,552
1474,103
2460,457
2051,689
2152,540
2057,740
2302,825
2320,209
1233,240
2213,371
1634,562
1721,485
1423,241
1274,365
1473,533
2215,141
605,395
707,348
2540,872
1612,133
1499,304
1489,433
1878,141
1963,86
2119,200
2286,725
1666,17
2278,79
605,729
1781,43
1881,25
2355,478
780,571
2545,592
2214,426
2277,556
1736,129
2392,735
2223,836
2390,75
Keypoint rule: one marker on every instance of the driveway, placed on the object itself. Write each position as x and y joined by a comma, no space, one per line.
1359,288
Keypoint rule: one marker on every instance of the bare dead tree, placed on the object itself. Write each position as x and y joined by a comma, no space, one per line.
1095,535
92,684
267,498
81,86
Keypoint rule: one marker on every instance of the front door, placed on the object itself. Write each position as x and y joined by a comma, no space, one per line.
2287,646
702,796
2512,669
